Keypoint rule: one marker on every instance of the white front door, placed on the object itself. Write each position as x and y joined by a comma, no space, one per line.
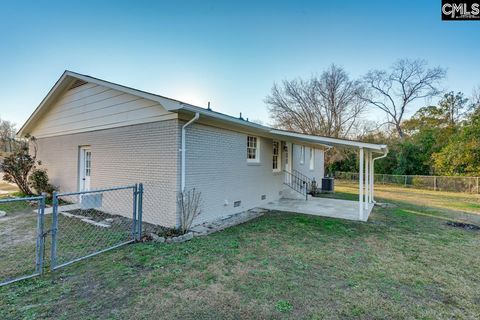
287,154
288,157
85,168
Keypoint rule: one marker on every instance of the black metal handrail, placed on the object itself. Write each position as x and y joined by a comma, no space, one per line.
302,176
297,183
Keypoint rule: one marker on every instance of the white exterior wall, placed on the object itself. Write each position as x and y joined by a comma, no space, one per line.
92,107
217,166
145,153
304,168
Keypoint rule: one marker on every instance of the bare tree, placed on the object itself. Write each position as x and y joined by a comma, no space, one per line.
476,97
394,90
328,105
7,135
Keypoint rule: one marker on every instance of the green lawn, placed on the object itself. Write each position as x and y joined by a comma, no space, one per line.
404,263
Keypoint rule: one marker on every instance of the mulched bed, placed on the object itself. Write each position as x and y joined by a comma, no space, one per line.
116,220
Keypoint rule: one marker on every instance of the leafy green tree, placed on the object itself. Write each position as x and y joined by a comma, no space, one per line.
461,156
453,107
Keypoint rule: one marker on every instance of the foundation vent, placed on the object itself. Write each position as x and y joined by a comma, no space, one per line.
237,204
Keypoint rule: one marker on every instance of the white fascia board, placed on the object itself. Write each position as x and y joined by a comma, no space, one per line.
39,108
325,141
224,117
332,141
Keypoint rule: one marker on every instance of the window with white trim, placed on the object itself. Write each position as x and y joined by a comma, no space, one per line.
276,160
302,154
252,149
312,159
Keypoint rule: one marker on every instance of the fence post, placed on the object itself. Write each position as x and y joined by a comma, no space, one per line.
140,211
434,183
384,178
477,186
40,236
134,223
405,180
54,230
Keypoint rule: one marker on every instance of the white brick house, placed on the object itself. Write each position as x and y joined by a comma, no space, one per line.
95,134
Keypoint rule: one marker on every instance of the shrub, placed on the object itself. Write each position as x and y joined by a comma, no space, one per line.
39,181
189,203
18,165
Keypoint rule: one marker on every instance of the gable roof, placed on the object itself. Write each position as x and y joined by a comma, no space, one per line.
68,79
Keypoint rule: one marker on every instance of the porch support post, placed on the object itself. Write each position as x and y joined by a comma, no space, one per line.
367,178
372,178
360,185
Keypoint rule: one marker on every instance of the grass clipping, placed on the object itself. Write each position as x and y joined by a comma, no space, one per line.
189,203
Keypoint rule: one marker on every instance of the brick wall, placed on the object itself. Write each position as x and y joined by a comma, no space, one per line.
217,167
145,153
319,168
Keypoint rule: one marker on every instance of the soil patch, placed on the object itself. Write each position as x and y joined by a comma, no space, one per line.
466,226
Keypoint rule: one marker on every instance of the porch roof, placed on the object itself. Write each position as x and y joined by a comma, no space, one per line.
239,123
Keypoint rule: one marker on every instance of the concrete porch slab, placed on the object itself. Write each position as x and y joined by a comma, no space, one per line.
334,208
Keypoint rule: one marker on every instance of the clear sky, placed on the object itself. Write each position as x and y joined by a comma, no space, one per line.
229,53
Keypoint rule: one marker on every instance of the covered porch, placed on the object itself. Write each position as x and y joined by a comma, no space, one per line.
359,210
325,207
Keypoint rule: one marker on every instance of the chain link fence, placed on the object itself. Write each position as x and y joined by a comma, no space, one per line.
436,183
90,222
76,225
21,238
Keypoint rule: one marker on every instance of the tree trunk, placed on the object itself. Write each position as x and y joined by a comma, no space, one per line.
399,131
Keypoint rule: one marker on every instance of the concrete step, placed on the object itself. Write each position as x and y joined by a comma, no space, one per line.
289,193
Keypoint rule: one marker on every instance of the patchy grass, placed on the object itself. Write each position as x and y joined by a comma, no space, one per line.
75,238
406,262
458,206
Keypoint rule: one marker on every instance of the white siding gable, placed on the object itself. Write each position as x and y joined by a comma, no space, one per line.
92,107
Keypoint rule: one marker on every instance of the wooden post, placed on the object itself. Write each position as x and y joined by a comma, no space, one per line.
434,183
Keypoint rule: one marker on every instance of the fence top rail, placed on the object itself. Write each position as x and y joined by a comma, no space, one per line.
96,190
21,199
412,175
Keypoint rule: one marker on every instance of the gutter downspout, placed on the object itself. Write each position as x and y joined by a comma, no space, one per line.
197,115
373,172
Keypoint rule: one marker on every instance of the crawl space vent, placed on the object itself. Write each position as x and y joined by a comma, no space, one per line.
264,197
237,203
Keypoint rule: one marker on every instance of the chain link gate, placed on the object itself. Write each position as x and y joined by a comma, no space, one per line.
88,223
21,238
83,224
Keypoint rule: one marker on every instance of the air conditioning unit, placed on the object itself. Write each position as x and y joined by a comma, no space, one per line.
328,185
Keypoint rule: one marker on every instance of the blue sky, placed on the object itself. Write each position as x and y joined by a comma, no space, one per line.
229,53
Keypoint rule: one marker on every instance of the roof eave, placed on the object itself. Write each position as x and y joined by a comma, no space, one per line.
325,141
